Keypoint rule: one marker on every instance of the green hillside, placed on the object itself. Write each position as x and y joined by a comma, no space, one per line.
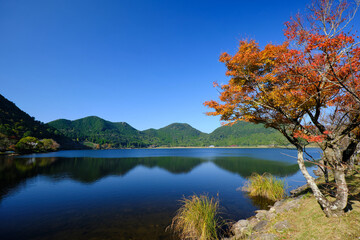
119,135
15,124
99,131
246,134
176,134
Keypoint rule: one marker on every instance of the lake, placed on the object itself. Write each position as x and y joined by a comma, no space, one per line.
128,193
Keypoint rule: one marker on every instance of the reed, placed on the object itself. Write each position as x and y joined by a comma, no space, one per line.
266,185
197,218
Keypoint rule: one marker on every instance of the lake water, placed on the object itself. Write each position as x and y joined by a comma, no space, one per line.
127,194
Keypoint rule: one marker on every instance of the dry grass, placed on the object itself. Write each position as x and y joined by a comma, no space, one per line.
309,222
197,218
266,186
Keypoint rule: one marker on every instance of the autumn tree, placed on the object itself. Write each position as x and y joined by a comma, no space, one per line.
308,88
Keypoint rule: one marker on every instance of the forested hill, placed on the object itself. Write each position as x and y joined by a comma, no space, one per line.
96,132
105,134
246,134
99,131
15,124
176,134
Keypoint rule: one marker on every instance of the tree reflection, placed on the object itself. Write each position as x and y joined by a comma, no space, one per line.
14,171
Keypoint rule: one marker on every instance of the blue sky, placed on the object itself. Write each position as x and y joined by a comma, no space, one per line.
147,63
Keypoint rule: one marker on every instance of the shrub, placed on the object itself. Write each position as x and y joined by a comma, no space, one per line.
49,145
28,145
197,218
34,145
266,186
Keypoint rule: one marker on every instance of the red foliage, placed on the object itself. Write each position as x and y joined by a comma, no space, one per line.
316,69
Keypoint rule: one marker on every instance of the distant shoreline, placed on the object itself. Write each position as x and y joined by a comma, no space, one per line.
2,154
227,147
258,146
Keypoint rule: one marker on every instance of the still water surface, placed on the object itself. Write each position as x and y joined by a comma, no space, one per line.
127,194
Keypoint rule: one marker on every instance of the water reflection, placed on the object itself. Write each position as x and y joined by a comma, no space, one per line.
88,170
260,202
245,166
123,197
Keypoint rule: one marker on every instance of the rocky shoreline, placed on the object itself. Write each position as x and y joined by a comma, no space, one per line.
255,226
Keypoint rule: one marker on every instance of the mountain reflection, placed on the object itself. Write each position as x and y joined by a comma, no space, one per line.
14,171
245,166
92,169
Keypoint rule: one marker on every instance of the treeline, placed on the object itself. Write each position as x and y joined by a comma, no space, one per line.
99,133
21,133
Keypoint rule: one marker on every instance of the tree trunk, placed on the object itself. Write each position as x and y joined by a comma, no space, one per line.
331,209
326,172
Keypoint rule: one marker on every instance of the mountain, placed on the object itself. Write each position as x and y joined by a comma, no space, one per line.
246,134
176,134
117,135
16,124
99,131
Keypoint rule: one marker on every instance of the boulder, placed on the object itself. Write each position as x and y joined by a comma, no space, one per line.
253,221
260,225
240,228
284,206
265,215
261,214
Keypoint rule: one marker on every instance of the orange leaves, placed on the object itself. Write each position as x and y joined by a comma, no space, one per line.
224,57
215,84
310,82
256,83
327,56
325,43
308,137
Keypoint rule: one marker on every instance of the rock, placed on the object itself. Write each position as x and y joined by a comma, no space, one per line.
286,206
265,215
292,204
279,203
281,226
253,221
261,214
243,228
260,225
240,228
241,223
271,215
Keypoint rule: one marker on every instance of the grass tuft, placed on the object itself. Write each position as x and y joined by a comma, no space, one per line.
197,218
266,186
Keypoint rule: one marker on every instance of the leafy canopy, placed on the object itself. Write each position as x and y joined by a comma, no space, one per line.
307,88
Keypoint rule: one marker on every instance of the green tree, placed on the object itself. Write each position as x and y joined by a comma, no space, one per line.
28,145
49,145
